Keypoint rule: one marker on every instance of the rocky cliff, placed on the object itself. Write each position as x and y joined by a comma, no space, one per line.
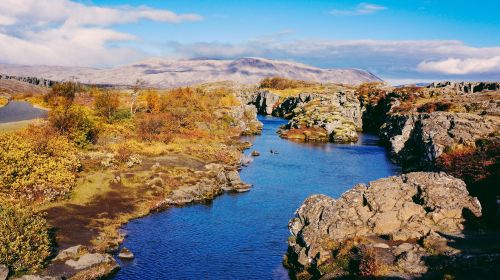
330,114
467,87
420,124
30,80
393,224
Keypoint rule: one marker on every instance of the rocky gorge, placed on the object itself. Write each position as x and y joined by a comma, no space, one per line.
405,226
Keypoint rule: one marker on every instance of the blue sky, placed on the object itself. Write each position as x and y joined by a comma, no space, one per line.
396,39
233,21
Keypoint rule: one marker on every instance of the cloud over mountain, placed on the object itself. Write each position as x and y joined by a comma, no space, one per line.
64,32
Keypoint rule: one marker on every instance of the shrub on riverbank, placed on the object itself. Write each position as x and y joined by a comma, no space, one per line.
37,164
63,93
25,242
76,123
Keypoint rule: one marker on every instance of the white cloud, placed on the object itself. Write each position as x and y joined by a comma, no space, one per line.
64,32
456,66
414,57
359,10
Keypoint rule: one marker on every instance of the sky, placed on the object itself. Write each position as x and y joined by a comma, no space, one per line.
397,40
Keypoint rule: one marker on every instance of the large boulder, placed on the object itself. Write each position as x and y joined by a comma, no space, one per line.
402,208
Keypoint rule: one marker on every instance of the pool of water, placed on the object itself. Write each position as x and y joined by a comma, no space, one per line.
19,111
243,236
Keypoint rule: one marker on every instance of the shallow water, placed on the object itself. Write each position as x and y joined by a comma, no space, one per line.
19,111
243,236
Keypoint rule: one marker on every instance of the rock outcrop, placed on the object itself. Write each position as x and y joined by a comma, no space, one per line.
417,140
330,114
207,184
390,214
245,119
30,80
467,87
420,124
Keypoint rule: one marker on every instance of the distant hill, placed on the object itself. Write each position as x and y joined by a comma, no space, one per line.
166,73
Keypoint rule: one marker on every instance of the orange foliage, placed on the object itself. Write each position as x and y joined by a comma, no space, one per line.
430,107
472,165
283,83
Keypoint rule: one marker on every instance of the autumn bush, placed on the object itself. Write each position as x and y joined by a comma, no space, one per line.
63,93
370,93
283,83
37,164
106,103
369,264
430,107
156,127
472,164
25,238
76,123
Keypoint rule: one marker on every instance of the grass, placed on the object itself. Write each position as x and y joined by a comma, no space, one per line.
15,126
88,187
290,92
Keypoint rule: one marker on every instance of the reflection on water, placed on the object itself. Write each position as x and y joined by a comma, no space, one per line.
243,236
19,111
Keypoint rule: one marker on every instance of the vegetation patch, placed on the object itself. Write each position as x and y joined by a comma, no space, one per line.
37,164
25,238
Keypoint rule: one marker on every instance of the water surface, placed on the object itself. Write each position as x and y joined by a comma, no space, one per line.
243,236
20,111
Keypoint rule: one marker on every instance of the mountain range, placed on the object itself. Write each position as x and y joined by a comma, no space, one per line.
165,73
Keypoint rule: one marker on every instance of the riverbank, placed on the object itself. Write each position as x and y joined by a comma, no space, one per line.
122,176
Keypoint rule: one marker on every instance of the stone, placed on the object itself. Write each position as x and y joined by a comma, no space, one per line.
69,253
89,260
126,254
255,154
37,277
4,272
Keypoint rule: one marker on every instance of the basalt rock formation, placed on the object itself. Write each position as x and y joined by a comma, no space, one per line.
330,114
420,124
393,224
467,87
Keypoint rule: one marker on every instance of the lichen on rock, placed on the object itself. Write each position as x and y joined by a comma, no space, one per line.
385,213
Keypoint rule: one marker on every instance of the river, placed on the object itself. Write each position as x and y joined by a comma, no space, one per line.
20,111
243,236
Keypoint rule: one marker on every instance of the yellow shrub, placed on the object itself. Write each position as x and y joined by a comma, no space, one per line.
37,164
25,242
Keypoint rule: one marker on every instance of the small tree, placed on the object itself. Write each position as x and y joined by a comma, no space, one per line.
106,103
136,89
63,93
153,101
